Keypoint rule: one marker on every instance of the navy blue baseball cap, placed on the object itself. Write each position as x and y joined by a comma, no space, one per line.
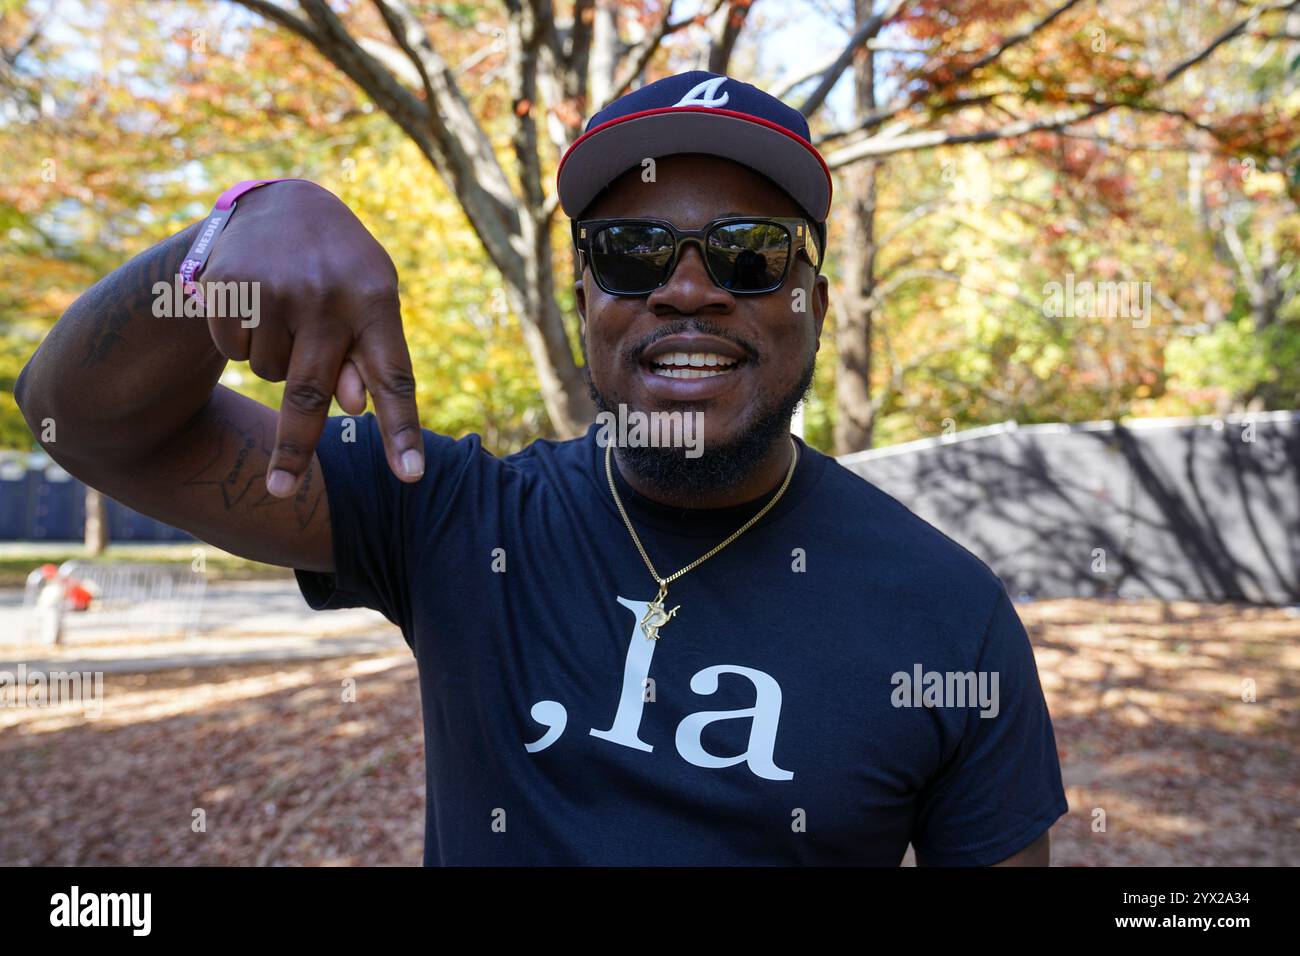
698,112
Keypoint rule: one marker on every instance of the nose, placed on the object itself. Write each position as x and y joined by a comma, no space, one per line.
689,289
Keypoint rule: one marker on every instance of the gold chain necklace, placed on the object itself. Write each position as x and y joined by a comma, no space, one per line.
656,616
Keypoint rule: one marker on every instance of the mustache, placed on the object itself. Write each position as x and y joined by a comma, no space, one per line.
632,353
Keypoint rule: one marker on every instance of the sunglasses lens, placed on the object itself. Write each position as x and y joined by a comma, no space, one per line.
632,258
749,256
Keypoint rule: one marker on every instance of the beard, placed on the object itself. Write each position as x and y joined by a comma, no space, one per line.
673,476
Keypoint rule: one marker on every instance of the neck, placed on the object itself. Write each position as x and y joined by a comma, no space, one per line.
761,480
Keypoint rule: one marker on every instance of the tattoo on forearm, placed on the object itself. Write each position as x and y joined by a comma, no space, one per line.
238,467
126,294
307,498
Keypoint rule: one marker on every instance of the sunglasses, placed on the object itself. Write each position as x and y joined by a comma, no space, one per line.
743,254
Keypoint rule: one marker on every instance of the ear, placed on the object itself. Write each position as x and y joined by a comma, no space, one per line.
580,297
821,303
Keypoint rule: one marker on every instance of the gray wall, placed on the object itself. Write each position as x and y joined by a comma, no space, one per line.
1169,508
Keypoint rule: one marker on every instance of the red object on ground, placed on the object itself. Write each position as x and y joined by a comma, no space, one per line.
78,597
74,592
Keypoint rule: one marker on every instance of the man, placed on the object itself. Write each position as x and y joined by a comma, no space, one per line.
732,651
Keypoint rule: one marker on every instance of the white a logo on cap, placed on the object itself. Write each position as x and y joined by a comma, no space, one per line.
705,94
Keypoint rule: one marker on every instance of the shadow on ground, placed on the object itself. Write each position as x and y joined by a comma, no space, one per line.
1155,740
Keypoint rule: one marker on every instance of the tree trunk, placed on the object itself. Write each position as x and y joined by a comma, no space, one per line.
563,384
533,286
96,524
603,61
854,321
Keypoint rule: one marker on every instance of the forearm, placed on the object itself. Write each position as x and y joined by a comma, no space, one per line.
113,380
127,400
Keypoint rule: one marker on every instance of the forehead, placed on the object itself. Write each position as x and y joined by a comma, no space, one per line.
690,190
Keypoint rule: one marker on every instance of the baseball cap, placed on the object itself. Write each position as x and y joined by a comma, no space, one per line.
698,112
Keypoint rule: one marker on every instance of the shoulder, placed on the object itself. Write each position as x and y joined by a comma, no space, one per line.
919,564
465,464
469,449
881,516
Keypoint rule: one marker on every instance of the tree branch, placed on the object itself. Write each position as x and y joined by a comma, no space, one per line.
1013,40
728,32
576,56
877,146
931,139
640,55
278,14
1228,34
832,74
464,153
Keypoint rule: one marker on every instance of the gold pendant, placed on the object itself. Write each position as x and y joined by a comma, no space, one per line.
655,615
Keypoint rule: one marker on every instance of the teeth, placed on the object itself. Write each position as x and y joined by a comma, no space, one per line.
689,372
694,360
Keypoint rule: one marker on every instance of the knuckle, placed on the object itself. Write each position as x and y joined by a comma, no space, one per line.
275,298
311,291
374,313
399,431
302,292
307,397
291,449
396,383
374,292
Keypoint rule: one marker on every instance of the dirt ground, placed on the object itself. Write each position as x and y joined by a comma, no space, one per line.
267,764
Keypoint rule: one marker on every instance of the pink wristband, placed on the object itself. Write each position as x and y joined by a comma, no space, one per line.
197,257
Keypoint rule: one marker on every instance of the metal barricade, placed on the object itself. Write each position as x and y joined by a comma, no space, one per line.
121,599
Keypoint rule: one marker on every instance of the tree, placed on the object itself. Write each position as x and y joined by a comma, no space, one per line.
990,73
393,52
1072,95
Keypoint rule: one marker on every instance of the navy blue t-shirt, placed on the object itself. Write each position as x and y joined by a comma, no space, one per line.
784,716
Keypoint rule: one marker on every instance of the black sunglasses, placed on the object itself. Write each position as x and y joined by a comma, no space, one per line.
745,255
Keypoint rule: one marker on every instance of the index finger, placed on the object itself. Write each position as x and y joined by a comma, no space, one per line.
381,357
309,385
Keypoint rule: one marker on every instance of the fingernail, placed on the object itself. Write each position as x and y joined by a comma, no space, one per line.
279,483
412,463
